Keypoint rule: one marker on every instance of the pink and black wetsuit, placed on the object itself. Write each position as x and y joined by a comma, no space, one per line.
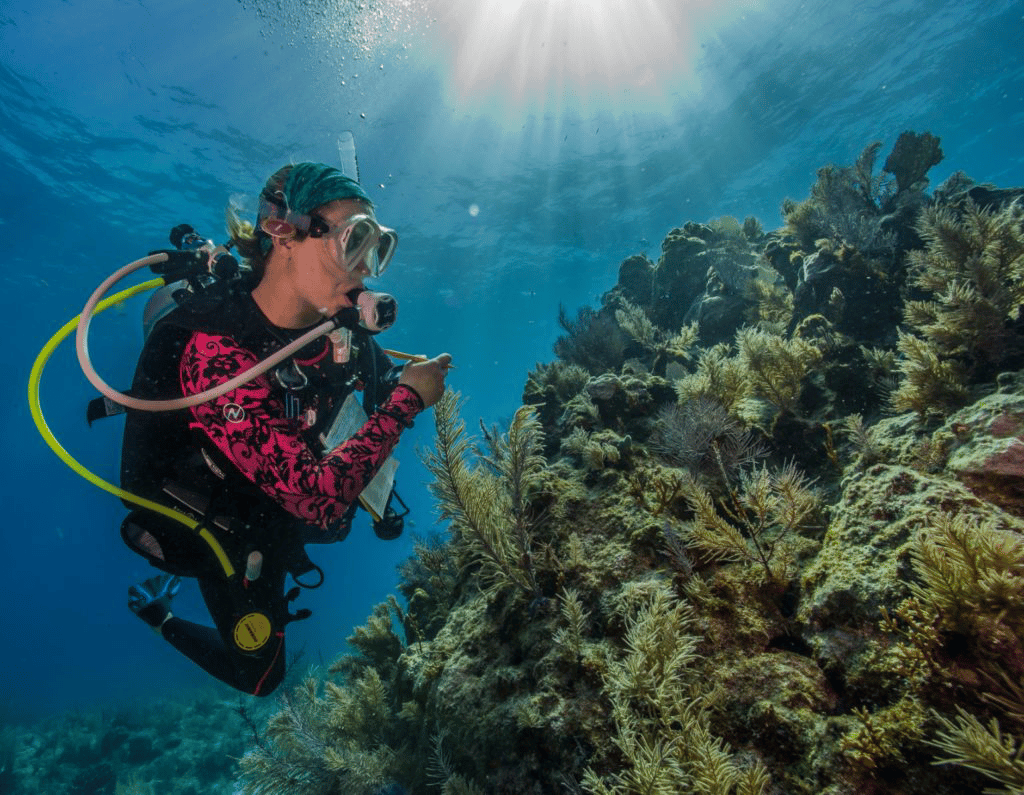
260,441
250,428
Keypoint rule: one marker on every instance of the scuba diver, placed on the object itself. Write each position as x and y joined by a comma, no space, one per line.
284,459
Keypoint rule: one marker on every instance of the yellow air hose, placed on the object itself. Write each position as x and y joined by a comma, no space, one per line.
44,430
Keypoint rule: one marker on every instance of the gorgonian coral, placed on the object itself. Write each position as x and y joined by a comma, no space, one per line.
973,265
702,437
593,341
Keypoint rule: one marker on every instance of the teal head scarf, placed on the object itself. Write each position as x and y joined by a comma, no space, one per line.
312,185
295,191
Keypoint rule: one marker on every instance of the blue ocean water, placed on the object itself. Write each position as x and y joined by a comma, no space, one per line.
522,149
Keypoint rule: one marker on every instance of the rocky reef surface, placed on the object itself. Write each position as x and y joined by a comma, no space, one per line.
756,530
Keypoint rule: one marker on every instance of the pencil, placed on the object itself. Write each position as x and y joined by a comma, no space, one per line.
412,357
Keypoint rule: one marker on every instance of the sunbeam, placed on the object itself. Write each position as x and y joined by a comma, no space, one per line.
558,52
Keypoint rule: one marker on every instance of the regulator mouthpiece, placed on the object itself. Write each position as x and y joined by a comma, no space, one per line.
376,310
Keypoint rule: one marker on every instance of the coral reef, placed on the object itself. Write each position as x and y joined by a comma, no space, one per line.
757,530
163,748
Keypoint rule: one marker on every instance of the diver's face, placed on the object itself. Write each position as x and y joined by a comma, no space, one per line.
319,271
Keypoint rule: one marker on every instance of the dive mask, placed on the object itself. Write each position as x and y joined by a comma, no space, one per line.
359,239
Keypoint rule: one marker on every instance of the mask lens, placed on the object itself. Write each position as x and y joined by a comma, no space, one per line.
385,250
357,238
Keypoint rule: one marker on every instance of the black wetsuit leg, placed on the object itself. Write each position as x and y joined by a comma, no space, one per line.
257,672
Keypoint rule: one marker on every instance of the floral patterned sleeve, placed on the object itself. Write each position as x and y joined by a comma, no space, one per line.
249,426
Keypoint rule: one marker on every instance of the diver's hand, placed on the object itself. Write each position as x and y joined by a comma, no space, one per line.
427,378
